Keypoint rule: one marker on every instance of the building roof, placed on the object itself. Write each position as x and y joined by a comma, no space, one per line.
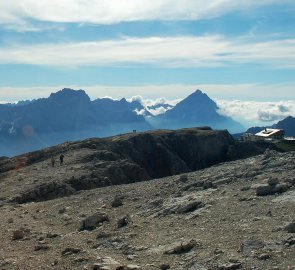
269,132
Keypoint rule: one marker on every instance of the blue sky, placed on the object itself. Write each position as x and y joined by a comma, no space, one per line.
124,48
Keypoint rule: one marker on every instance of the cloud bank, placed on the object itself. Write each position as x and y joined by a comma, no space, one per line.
249,113
17,14
185,51
257,113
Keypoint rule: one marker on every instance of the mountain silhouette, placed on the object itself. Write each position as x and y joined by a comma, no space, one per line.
69,115
288,125
63,116
196,110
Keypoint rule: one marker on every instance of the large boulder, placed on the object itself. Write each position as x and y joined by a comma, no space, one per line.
93,221
290,227
264,190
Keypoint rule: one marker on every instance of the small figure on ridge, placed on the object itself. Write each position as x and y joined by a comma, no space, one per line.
61,159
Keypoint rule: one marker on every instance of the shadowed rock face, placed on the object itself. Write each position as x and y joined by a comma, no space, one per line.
125,159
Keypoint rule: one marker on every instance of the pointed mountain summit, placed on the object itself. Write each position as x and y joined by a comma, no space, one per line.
197,110
198,97
196,107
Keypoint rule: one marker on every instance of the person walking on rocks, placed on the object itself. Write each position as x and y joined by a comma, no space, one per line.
52,161
61,159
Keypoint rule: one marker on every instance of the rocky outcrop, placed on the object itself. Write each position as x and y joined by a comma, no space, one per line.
272,187
129,158
45,192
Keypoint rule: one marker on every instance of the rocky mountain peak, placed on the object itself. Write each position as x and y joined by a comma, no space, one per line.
68,95
198,98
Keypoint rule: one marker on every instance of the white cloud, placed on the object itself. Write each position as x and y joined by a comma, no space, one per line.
153,102
154,106
186,51
140,112
257,113
159,110
16,13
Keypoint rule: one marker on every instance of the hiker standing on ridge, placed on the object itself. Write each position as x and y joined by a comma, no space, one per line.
61,159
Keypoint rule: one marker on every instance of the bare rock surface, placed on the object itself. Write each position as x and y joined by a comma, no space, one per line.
175,222
123,159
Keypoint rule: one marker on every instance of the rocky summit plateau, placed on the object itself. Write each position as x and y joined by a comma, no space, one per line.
189,199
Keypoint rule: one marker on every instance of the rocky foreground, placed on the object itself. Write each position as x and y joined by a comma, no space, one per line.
233,215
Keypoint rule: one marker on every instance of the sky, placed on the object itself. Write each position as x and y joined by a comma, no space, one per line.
235,51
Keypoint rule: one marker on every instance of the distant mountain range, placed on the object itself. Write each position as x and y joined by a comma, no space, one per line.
70,115
287,124
64,116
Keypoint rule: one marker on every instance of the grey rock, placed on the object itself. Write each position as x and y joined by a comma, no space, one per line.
93,221
263,256
128,267
18,234
70,251
194,266
165,266
281,188
230,266
41,247
182,247
190,207
290,227
208,184
272,181
252,244
124,221
183,178
118,201
264,190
